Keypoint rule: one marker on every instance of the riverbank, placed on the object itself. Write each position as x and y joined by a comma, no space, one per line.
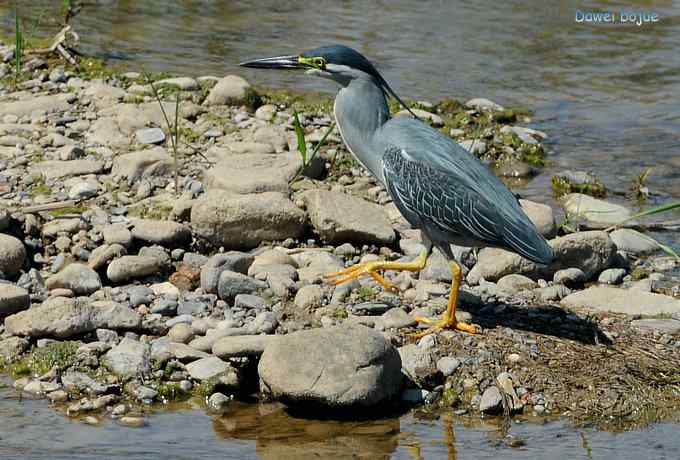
124,290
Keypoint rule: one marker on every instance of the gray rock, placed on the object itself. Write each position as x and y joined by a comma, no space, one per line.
514,283
447,365
129,358
666,326
309,296
233,261
246,173
48,104
13,299
163,232
338,218
140,295
244,221
181,333
612,276
232,283
542,217
12,347
104,254
81,382
207,368
213,335
150,136
79,278
249,302
231,90
239,346
58,227
416,362
59,169
83,190
192,307
437,268
165,307
482,104
597,212
343,366
550,293
570,277
131,267
628,301
434,119
117,234
142,164
160,350
144,394
396,318
264,323
186,353
633,242
183,83
12,255
591,251
62,317
492,401
218,402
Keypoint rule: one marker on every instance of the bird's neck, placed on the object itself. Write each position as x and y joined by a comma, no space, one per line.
360,110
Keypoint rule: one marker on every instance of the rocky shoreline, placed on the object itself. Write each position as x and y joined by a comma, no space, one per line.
128,292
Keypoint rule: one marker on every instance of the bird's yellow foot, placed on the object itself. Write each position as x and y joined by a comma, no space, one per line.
445,323
372,268
366,268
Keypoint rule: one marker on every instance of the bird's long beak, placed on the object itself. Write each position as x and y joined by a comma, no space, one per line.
278,62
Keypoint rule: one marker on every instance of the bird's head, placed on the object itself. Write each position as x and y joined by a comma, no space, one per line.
336,62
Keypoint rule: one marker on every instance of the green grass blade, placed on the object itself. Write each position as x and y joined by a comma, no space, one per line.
321,142
299,132
18,41
648,212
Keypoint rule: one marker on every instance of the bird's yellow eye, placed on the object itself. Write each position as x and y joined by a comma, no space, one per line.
319,62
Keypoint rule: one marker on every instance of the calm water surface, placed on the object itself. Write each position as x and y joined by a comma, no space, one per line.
32,430
608,97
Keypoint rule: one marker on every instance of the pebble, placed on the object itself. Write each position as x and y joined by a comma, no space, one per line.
612,276
447,365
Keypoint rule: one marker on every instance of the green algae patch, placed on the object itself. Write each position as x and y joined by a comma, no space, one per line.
59,354
303,102
562,185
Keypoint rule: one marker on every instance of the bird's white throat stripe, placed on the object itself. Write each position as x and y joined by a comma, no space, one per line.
337,122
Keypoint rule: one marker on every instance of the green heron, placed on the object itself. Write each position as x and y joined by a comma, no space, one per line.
437,185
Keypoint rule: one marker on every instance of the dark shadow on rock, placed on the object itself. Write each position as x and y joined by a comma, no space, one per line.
542,319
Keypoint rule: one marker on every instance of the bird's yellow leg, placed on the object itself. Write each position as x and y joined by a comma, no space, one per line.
372,268
448,320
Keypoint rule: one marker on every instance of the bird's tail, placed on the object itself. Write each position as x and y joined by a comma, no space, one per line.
524,238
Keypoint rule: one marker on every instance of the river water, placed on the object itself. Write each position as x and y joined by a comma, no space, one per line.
608,96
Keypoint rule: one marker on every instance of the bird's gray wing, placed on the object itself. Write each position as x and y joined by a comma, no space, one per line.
425,193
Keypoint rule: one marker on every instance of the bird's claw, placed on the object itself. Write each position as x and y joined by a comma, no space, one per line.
445,323
355,271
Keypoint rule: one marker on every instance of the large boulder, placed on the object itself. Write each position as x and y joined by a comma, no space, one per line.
244,173
55,169
163,232
13,299
12,255
79,278
142,164
130,358
338,218
629,301
598,213
591,251
338,367
231,90
244,221
62,317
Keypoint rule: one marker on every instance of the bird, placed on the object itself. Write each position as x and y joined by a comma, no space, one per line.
438,186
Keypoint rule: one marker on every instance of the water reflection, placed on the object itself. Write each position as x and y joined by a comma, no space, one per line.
280,436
